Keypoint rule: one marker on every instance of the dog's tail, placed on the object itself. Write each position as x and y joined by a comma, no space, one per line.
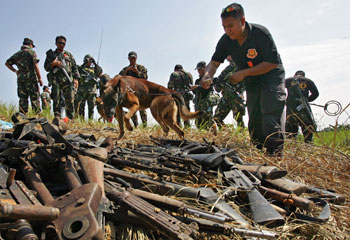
184,112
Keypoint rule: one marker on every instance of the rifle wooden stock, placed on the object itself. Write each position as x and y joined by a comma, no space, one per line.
288,199
286,185
267,172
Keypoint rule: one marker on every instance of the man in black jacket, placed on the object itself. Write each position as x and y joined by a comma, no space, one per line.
301,91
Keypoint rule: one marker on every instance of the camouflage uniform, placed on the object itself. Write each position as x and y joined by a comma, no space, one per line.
181,82
88,85
61,85
142,73
27,80
103,80
46,96
205,100
232,98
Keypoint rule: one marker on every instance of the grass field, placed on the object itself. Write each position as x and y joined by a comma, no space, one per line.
325,164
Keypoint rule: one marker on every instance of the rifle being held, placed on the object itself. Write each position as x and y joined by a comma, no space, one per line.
51,56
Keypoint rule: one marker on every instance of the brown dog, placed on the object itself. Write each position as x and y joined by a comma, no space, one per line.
140,94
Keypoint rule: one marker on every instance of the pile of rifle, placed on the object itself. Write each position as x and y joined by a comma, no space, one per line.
56,186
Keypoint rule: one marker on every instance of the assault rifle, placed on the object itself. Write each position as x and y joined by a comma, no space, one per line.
157,219
303,105
88,76
168,188
51,57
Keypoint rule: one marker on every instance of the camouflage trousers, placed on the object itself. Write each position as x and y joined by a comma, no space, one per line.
302,119
143,115
65,89
178,117
224,108
28,90
81,99
206,105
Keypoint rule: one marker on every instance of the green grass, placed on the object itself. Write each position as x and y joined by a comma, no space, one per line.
337,139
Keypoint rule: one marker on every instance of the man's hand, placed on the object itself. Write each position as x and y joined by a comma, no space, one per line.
40,82
206,82
75,83
194,87
237,77
56,63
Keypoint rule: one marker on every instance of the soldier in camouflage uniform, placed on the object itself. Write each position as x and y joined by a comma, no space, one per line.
46,98
60,83
204,100
103,80
182,82
28,76
138,71
232,97
88,84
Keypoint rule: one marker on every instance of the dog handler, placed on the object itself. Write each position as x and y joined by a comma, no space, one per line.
253,50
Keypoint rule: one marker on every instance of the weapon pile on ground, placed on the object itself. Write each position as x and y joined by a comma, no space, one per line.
56,186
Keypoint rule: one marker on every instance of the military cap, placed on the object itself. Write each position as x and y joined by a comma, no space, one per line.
86,57
28,41
201,64
105,78
178,67
300,73
132,54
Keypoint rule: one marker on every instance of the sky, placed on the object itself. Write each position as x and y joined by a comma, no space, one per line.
312,35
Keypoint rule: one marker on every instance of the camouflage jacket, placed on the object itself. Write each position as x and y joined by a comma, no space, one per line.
181,82
70,66
88,81
142,72
229,90
25,59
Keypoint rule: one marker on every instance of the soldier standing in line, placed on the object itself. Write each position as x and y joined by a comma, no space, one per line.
232,97
62,68
301,91
28,76
204,100
181,82
88,84
104,78
45,98
137,71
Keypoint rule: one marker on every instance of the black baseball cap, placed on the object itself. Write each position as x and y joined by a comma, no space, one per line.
201,64
178,67
300,73
132,54
28,41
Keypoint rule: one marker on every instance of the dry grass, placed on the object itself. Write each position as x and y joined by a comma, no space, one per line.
315,165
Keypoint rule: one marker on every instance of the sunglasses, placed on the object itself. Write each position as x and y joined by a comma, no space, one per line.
228,9
61,43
